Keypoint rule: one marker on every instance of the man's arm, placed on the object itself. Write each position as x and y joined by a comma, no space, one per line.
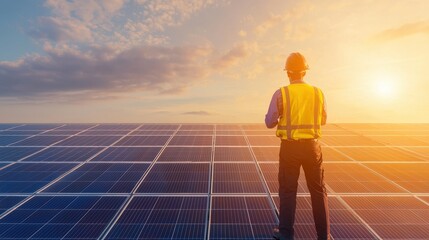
324,111
272,116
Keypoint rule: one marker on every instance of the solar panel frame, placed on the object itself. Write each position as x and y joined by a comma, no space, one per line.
39,141
142,141
7,140
12,154
95,141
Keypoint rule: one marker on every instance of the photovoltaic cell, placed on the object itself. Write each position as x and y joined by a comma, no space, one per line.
197,127
143,141
194,132
100,178
43,127
349,141
412,176
354,178
89,141
236,178
176,178
20,132
264,140
186,154
399,141
158,127
116,127
4,126
331,154
6,140
131,154
16,153
76,126
379,154
191,141
260,133
60,217
152,132
230,154
266,153
399,217
29,177
60,132
64,154
229,132
7,202
230,141
241,218
228,127
162,218
39,141
103,132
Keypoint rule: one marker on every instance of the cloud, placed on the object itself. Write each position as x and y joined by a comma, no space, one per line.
199,113
58,30
400,32
234,55
103,69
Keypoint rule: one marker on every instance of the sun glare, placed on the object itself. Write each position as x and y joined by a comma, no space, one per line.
385,87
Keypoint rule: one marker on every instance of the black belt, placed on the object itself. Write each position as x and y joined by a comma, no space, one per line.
300,140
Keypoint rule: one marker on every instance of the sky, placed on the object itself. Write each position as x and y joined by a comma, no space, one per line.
212,61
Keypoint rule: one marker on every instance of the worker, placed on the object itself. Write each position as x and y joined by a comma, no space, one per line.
299,110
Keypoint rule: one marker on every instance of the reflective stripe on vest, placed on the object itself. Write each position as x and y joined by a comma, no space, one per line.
300,122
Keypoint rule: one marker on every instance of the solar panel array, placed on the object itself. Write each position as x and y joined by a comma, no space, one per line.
204,181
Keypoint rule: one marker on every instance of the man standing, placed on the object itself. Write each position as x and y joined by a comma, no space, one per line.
299,110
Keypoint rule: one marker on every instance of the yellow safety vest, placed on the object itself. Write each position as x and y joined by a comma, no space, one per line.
302,112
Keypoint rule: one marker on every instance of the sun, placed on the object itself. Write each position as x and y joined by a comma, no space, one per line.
385,86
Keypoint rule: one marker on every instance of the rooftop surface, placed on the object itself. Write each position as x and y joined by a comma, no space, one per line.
204,181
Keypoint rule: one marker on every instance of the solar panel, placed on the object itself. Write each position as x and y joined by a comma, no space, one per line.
176,178
29,177
197,127
186,154
241,218
103,132
115,126
7,202
6,140
100,178
39,141
232,154
20,132
191,141
379,154
412,176
355,178
236,178
143,141
10,154
158,127
202,181
89,141
128,154
42,127
60,217
399,217
162,218
64,154
4,126
230,141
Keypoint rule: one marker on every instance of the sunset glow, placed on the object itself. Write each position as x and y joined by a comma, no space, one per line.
209,61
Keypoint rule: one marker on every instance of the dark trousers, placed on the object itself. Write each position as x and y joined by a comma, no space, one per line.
293,154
